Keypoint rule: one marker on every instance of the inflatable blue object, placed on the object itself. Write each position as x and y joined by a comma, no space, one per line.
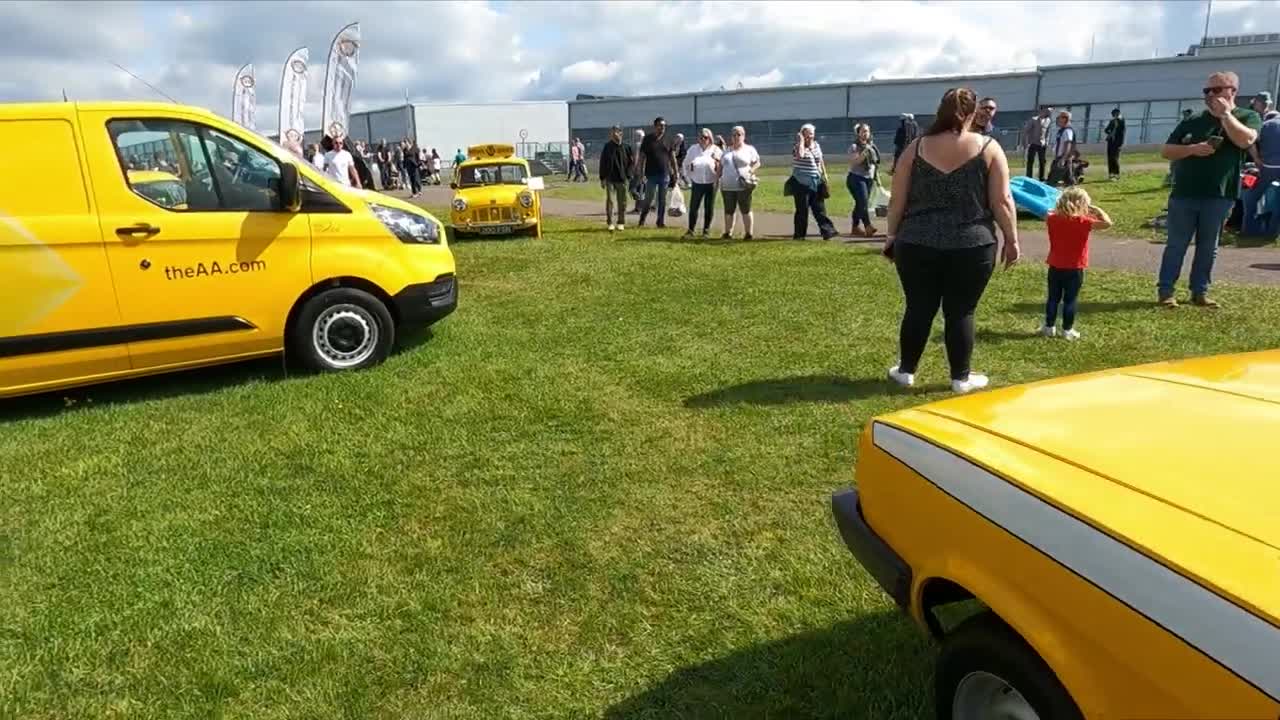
1033,196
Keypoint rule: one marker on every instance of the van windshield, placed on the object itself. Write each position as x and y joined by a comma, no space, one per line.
496,174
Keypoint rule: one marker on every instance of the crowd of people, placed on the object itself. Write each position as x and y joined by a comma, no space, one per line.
385,166
950,192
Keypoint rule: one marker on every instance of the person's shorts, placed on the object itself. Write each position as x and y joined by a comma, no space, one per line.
736,200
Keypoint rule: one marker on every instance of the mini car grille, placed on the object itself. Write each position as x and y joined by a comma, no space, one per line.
492,214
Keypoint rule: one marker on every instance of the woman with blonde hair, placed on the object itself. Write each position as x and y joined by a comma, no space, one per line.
808,185
738,180
1069,225
864,161
702,167
950,190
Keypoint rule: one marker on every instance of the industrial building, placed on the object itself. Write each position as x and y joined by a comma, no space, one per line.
531,126
1151,94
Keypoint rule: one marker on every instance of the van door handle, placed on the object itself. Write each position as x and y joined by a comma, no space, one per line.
138,230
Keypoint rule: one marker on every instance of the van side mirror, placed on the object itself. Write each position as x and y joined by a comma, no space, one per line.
290,189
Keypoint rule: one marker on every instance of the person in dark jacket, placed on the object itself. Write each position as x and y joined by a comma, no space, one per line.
1115,140
907,132
362,167
616,161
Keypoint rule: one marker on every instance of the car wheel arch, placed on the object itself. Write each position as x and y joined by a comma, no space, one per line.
338,282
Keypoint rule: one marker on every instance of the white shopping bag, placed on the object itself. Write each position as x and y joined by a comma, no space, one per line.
675,202
880,200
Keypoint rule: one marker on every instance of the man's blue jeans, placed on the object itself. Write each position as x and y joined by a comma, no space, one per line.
655,188
1188,217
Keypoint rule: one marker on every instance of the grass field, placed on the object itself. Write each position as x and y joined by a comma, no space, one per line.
598,489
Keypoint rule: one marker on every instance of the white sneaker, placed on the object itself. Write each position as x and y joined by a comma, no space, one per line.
976,381
622,227
1049,331
903,379
611,227
1071,334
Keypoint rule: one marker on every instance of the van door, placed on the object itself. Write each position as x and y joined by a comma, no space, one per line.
59,323
201,249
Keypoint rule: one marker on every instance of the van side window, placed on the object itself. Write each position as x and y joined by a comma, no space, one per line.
182,166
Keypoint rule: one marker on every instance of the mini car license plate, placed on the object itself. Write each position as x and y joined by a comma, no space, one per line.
495,230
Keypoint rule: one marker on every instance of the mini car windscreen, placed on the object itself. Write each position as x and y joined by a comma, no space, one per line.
476,175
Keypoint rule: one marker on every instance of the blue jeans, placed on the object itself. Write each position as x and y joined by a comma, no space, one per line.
655,187
1188,217
860,189
1064,289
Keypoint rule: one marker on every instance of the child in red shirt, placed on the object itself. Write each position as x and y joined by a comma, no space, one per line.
1069,226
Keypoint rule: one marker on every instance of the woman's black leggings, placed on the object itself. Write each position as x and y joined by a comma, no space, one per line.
704,196
952,279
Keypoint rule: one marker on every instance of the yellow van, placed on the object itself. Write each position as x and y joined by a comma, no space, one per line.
235,249
1115,538
492,194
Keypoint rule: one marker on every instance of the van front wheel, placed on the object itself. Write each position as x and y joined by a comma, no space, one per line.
342,329
986,671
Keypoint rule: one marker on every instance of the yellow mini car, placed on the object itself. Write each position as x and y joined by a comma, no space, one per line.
238,250
492,194
1116,537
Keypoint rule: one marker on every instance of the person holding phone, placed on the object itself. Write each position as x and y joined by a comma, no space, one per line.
1207,151
950,191
808,185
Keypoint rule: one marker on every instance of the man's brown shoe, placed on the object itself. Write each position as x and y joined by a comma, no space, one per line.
1204,301
1168,302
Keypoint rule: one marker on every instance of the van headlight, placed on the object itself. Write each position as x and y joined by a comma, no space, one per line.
408,227
459,204
526,199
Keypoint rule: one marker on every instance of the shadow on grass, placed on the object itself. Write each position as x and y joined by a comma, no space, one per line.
876,666
803,389
1087,308
1265,266
197,381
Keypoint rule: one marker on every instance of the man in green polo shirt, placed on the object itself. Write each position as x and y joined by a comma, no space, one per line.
1207,151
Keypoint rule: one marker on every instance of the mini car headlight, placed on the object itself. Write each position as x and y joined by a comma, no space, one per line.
408,227
526,199
459,204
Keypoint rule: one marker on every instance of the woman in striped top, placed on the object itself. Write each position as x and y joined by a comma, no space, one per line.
807,185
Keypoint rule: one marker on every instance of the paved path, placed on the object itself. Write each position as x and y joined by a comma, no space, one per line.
1253,266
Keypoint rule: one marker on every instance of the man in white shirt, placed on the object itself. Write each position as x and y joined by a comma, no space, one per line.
702,167
339,165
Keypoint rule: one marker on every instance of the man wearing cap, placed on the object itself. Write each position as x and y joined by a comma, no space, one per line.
1261,104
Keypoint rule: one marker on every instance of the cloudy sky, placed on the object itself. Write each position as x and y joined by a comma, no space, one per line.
498,50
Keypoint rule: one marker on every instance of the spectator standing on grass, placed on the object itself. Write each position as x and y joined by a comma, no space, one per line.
615,174
1064,144
1035,136
985,123
436,166
808,185
738,166
951,192
1115,140
906,134
864,159
1208,150
658,165
681,151
411,171
1069,225
459,157
571,172
384,164
637,175
339,165
702,167
582,160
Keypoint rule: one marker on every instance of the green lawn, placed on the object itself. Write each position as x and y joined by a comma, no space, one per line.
598,489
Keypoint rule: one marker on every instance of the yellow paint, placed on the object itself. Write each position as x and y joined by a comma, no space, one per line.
490,186
68,269
1173,459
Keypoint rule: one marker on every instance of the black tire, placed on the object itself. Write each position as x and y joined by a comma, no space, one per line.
984,643
342,329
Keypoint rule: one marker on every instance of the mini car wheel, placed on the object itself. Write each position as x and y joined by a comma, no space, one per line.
342,329
987,672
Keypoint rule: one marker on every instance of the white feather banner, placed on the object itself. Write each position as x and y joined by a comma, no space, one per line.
340,80
293,100
244,105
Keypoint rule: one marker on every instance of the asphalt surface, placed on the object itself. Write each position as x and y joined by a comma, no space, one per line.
1249,266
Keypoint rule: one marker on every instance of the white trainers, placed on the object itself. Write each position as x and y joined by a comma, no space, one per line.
612,227
622,227
976,381
1071,334
903,379
1049,331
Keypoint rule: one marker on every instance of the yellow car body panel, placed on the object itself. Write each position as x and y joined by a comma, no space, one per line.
1165,468
108,280
488,188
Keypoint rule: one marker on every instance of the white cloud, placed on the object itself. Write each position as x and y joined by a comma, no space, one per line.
589,71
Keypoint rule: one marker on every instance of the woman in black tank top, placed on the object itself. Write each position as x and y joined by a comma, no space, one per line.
942,236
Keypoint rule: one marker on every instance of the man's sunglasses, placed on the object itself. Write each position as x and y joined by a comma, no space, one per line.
1217,90
988,108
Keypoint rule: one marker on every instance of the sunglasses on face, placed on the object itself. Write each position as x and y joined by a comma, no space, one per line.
1217,90
988,108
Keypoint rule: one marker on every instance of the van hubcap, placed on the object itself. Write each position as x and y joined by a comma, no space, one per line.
983,696
345,335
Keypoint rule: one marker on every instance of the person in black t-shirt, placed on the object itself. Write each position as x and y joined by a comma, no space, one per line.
657,164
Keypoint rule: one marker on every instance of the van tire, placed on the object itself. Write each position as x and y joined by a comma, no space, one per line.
342,329
984,645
